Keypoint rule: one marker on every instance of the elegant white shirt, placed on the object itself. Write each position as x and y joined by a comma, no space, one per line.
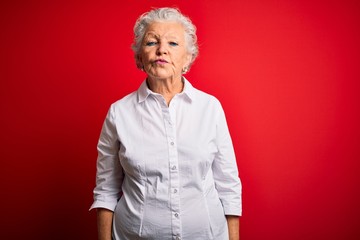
167,172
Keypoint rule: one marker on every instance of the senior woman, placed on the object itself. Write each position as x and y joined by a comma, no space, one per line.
166,167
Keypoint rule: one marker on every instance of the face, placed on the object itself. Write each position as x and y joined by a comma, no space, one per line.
163,51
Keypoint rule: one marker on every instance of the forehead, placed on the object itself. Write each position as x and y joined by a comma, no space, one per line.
165,29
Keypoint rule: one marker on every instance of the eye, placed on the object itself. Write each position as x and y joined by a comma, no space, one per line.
173,44
151,43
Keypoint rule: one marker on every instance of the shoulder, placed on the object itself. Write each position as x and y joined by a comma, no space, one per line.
206,99
122,106
132,98
205,105
125,101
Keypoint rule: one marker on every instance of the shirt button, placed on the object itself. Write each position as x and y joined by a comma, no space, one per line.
176,215
175,190
172,143
173,167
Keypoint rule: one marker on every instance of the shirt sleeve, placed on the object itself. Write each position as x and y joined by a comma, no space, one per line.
109,174
225,171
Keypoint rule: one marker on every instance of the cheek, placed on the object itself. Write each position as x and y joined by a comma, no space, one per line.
183,60
145,55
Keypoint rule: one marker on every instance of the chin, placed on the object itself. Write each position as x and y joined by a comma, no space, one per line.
158,75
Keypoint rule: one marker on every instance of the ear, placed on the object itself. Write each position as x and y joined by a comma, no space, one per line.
188,60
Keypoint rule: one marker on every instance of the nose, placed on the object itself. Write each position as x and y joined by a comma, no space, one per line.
162,49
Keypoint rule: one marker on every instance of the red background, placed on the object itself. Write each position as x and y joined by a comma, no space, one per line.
286,72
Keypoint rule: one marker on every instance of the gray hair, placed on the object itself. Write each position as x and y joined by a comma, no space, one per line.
160,15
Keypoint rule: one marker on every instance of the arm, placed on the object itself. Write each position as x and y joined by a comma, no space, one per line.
109,177
104,223
227,181
233,227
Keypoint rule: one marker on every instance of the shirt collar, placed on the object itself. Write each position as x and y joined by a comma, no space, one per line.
144,91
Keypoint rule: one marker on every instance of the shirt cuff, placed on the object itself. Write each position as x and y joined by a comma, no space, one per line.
234,209
233,212
100,204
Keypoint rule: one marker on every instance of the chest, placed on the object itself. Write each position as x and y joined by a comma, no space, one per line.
155,139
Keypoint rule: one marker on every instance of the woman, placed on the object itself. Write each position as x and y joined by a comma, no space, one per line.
166,167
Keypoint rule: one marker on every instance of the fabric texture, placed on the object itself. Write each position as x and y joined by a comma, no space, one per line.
167,172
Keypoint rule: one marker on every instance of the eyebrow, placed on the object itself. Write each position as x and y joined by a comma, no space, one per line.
168,36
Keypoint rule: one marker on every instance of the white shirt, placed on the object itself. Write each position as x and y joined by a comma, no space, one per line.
167,172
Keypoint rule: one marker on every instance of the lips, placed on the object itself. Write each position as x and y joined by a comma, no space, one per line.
160,61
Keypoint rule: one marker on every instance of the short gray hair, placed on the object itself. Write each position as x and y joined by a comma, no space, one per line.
160,15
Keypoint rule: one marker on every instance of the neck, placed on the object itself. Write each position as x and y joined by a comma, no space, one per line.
168,88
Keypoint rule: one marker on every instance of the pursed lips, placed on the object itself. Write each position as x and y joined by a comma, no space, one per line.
160,61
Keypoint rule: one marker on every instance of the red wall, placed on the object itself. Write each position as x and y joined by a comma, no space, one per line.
287,73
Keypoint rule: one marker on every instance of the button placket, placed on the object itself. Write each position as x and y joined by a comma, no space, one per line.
173,172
